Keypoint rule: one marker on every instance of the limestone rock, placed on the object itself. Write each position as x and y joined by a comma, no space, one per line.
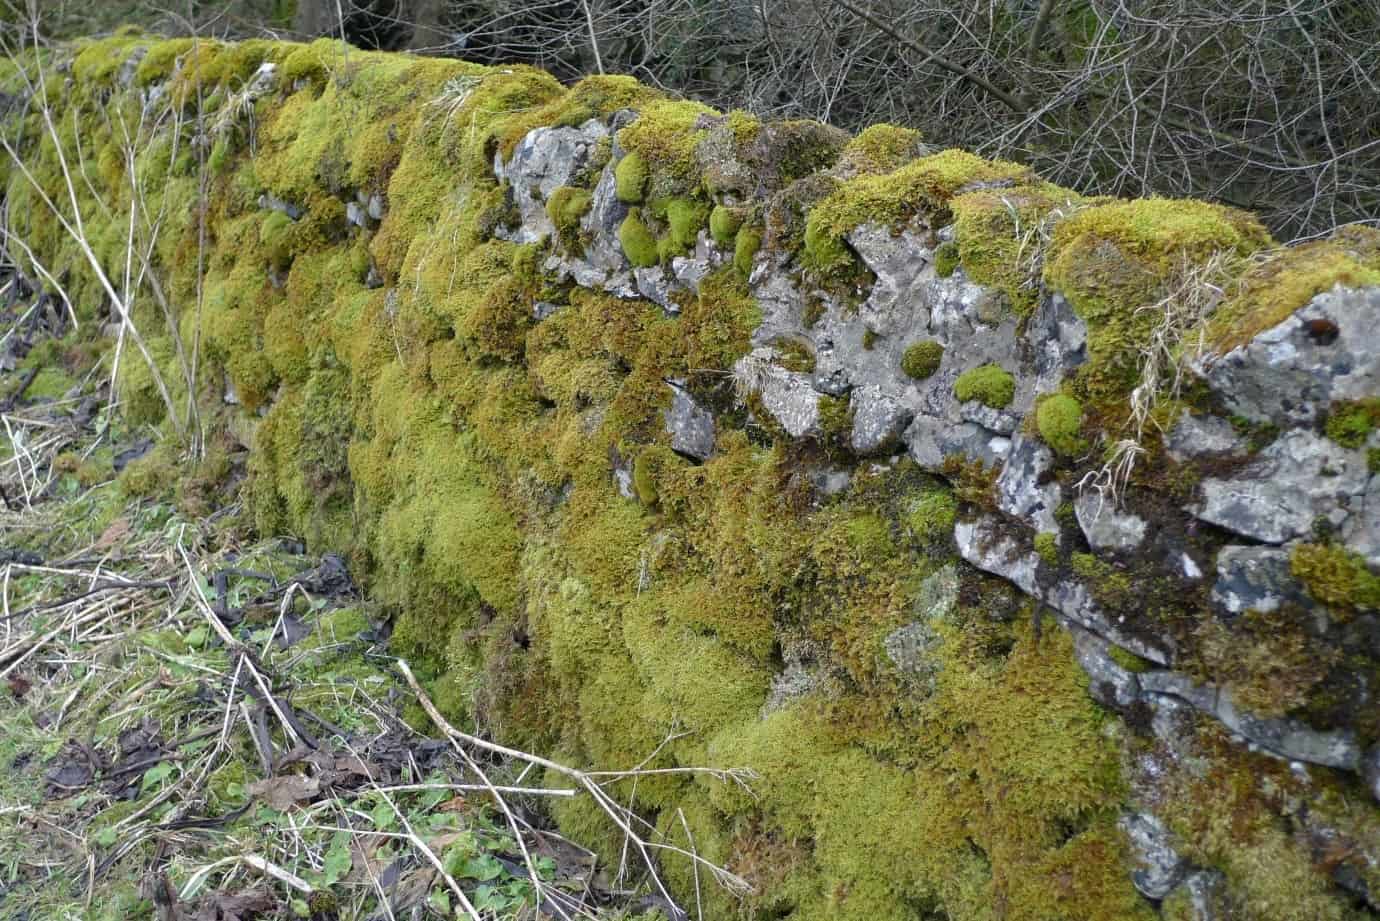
1285,737
543,161
879,420
1291,373
690,426
1108,682
1160,868
1022,489
787,395
1105,526
1254,579
988,545
1293,482
1202,435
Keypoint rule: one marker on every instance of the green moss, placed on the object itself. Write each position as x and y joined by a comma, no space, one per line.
745,246
1272,289
1128,660
946,259
665,136
931,516
1059,418
685,217
724,222
998,234
1109,585
881,148
991,385
1047,546
925,185
160,60
1110,260
566,207
922,359
1337,578
630,178
639,244
1350,423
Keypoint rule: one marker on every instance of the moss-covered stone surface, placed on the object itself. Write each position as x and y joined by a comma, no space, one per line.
478,421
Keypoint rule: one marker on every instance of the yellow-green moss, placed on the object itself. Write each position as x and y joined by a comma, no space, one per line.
724,222
946,259
998,232
991,385
630,178
639,244
745,245
664,137
880,148
566,207
1350,423
1047,546
685,217
922,359
1337,578
921,187
1110,260
1059,418
1284,280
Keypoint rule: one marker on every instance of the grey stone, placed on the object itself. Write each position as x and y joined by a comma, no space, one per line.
897,259
1254,579
1108,682
1059,339
938,594
994,420
354,214
273,203
543,309
787,395
1284,737
1189,567
1207,896
1202,435
1298,479
543,161
1022,489
879,420
830,481
1105,527
1291,373
1160,869
1361,533
986,544
913,649
931,440
656,285
265,80
375,207
690,426
1370,771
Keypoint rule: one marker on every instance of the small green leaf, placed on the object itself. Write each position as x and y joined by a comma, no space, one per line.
106,837
338,861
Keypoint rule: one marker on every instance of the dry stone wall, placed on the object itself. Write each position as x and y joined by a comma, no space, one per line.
1027,546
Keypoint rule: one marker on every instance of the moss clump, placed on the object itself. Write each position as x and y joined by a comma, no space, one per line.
638,242
566,207
932,515
665,136
1267,293
922,359
160,60
1111,260
745,246
1337,578
921,186
991,385
630,178
724,222
1059,418
994,232
685,218
946,259
1047,546
1350,424
880,148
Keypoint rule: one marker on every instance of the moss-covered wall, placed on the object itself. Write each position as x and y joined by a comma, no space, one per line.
432,393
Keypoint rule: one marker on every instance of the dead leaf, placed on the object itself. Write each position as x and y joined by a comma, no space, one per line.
19,686
454,804
282,792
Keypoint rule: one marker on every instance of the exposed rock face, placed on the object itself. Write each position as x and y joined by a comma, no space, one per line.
1324,353
1297,480
691,428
